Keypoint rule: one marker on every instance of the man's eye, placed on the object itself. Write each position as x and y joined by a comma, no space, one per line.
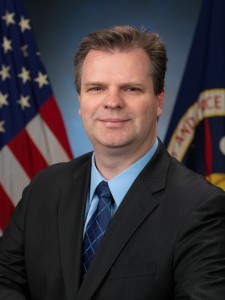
95,88
133,89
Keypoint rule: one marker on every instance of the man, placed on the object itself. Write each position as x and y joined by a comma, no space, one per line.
160,232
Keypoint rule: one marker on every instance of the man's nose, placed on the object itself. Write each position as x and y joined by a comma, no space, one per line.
114,99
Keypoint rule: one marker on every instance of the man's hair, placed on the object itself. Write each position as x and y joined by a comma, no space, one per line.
125,38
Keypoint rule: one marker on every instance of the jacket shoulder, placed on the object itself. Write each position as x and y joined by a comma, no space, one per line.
62,173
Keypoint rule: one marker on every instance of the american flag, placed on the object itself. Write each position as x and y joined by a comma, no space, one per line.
32,133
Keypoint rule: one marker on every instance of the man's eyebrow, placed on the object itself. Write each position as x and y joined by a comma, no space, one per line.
121,85
88,83
129,83
133,84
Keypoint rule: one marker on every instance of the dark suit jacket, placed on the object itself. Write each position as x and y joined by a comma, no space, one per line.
166,241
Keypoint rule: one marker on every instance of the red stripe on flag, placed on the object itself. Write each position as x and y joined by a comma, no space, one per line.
208,149
6,208
27,154
51,114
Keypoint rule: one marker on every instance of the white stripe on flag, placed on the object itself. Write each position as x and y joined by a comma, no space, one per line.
12,176
45,141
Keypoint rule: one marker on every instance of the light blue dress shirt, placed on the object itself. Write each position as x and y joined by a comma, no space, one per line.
119,185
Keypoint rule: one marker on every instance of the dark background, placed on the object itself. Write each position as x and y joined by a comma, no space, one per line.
60,25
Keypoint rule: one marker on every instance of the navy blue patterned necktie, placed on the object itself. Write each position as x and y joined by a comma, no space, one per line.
97,224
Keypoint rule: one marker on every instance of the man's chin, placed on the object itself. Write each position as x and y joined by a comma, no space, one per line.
114,144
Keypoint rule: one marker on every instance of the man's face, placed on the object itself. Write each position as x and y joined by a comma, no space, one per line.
118,106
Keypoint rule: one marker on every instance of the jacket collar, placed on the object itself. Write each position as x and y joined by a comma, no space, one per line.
70,223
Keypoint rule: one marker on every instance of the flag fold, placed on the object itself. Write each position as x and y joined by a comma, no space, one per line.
196,133
32,132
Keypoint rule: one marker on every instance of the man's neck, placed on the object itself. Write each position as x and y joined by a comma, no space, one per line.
111,162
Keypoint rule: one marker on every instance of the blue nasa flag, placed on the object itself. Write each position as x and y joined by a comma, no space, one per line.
196,133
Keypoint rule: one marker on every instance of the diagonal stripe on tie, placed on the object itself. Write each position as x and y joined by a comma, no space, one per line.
98,224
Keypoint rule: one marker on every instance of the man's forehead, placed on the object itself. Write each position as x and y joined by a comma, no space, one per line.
101,60
117,67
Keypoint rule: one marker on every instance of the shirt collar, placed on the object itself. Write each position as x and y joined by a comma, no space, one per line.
120,184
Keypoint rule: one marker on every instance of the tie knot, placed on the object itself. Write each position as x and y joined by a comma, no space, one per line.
103,190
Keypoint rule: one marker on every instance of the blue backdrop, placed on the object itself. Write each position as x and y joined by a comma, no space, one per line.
60,25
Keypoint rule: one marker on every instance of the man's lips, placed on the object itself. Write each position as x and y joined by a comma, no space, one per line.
114,122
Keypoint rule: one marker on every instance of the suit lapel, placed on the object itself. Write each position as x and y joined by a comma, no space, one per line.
138,204
71,217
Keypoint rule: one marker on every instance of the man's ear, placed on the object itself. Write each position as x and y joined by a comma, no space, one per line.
160,101
79,111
